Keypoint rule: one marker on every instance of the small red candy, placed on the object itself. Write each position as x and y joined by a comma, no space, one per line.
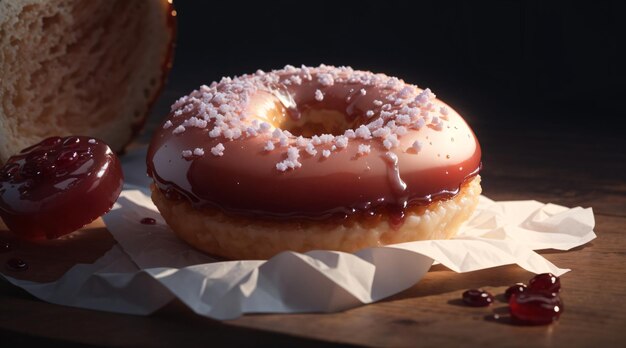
516,289
57,186
477,298
535,308
545,282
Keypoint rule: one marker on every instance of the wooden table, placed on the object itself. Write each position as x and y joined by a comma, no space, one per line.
569,169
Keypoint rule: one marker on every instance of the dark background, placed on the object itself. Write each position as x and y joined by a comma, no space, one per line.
505,65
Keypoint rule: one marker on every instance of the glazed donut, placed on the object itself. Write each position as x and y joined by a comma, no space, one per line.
312,158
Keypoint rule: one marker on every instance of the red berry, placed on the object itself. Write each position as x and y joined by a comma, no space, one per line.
535,308
516,288
58,185
477,298
545,282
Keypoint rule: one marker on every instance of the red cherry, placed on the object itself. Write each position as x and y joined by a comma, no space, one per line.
516,289
535,308
57,186
477,298
545,282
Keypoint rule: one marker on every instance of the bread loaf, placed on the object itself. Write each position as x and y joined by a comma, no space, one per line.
80,67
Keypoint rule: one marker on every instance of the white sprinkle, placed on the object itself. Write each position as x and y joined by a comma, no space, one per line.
219,98
405,92
293,153
195,122
319,96
376,124
401,130
301,141
341,141
178,130
167,124
378,103
264,127
187,153
349,133
292,160
364,149
310,149
386,114
325,79
417,146
91,141
218,150
333,148
363,132
229,134
277,133
198,151
444,110
326,138
283,142
424,97
251,131
403,119
390,141
326,153
215,132
369,113
420,123
381,132
363,91
269,146
296,79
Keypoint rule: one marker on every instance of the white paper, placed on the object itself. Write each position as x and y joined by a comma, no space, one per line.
150,266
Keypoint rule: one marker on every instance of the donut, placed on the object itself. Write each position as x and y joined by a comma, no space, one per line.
73,67
312,158
57,186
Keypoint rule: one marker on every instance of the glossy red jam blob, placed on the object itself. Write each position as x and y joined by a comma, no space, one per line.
545,282
516,289
535,308
58,186
477,298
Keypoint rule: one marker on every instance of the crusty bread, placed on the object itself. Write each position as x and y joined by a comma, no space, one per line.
80,67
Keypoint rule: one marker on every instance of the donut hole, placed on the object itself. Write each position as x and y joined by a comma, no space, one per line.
319,121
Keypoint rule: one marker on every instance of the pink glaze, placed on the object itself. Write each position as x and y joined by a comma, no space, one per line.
404,147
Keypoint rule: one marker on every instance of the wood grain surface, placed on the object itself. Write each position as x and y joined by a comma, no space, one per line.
544,166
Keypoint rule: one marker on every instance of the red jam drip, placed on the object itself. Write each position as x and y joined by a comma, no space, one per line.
148,221
57,186
477,298
16,264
